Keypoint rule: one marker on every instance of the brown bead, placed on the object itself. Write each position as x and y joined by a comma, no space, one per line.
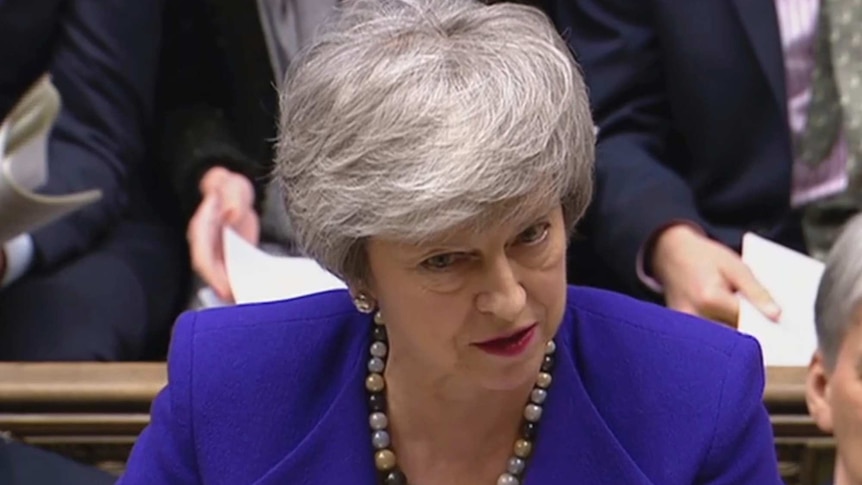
374,383
523,448
544,380
384,460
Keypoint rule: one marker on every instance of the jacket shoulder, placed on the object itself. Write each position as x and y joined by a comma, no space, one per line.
627,317
264,367
694,381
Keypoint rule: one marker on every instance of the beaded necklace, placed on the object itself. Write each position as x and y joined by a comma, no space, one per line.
384,457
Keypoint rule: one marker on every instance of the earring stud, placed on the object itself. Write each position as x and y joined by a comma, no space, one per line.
363,303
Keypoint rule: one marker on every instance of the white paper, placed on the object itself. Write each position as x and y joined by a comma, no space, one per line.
256,276
792,279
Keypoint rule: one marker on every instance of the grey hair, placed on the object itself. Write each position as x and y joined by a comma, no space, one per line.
406,119
840,292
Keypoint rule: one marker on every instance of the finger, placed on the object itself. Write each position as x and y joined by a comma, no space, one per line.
722,307
237,193
204,235
742,279
213,178
248,227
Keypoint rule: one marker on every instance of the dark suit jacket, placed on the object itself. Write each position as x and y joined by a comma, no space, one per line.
690,100
102,57
274,393
216,95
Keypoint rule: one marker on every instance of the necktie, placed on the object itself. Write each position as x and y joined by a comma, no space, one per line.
836,101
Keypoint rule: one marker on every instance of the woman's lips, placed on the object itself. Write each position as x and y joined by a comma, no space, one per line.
510,345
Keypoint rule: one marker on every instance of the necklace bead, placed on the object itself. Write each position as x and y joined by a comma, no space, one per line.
523,448
395,477
548,363
516,466
378,421
377,402
378,349
528,430
508,479
376,365
532,412
380,439
538,396
385,460
379,333
375,383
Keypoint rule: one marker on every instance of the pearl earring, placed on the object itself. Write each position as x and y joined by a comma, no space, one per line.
363,303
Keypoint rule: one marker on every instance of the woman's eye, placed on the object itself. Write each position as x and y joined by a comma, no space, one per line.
440,261
534,234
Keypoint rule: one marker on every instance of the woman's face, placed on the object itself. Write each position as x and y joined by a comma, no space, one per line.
474,307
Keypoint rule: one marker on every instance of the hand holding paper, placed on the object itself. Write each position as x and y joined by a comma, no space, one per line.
701,276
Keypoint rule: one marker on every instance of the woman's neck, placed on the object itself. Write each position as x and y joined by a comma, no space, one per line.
441,427
841,476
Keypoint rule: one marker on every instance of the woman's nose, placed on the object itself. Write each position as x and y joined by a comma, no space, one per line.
503,296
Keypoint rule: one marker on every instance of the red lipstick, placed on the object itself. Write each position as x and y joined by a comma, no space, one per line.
509,345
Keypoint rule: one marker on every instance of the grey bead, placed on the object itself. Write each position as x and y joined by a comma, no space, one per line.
533,413
516,465
376,365
508,479
538,396
378,421
378,349
380,440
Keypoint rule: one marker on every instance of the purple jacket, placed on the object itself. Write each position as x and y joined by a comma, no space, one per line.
273,394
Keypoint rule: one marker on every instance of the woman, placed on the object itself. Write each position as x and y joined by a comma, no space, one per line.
833,393
436,155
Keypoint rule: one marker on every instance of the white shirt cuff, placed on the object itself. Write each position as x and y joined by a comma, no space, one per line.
19,255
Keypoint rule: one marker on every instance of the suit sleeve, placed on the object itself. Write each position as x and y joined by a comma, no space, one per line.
637,193
104,66
742,451
164,453
195,132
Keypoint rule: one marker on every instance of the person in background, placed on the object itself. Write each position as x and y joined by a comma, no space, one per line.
834,384
715,119
105,282
222,62
435,154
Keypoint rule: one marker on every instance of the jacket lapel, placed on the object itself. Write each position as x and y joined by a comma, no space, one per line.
760,22
574,444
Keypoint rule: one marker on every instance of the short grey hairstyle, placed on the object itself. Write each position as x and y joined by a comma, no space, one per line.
840,292
406,119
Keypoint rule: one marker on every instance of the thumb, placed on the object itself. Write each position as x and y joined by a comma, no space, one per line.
248,227
743,280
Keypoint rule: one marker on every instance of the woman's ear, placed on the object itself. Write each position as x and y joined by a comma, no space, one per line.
818,393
